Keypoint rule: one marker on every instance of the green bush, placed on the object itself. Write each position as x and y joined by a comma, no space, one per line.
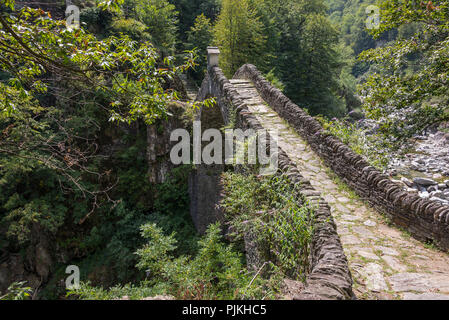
273,209
17,291
133,28
274,80
376,150
171,210
216,272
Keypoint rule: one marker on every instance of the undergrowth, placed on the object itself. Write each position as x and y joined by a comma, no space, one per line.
273,210
375,150
217,271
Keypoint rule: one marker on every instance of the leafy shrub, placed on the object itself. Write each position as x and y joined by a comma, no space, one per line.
17,291
274,210
133,28
216,272
376,150
29,197
274,80
171,210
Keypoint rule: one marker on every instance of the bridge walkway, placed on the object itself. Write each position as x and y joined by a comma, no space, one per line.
385,262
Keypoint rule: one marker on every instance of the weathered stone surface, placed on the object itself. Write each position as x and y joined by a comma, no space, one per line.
386,250
342,230
342,208
370,223
403,208
343,199
375,280
425,182
292,288
406,281
367,253
394,263
43,261
350,239
205,193
407,182
159,144
362,231
366,181
349,217
425,296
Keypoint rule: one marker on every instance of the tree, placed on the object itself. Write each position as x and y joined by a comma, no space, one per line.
58,89
317,67
189,10
239,35
215,272
160,17
199,37
302,51
408,92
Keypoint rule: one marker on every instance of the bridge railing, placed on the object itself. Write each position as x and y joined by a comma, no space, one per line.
329,276
426,220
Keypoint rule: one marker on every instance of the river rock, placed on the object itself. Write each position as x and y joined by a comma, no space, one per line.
407,182
425,182
438,194
413,190
437,175
424,195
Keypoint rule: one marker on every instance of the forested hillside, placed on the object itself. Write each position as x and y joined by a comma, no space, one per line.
387,62
74,173
85,177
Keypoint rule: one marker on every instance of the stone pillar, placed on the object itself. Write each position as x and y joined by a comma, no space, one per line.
212,57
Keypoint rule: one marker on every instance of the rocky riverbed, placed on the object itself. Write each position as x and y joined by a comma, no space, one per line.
425,170
427,188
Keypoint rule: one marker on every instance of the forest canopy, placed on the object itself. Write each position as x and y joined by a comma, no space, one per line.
65,96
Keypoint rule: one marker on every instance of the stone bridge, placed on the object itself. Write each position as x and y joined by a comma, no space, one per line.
372,239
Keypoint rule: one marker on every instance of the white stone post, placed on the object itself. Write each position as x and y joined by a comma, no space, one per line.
212,57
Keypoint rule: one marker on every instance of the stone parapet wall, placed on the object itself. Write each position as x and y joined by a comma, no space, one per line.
329,276
426,220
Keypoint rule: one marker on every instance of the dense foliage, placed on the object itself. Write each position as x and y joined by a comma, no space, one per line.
292,39
157,17
267,207
375,150
402,72
409,91
215,272
275,213
199,38
73,109
239,35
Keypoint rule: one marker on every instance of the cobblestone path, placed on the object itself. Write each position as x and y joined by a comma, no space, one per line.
385,262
